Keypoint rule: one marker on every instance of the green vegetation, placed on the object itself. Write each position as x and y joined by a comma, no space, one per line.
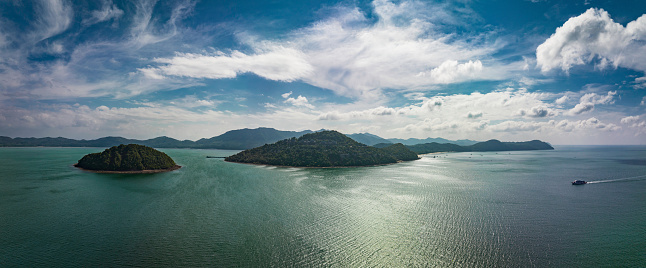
321,149
368,139
487,146
401,152
239,139
131,157
435,147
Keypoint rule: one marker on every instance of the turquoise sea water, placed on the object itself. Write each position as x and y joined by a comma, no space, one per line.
506,209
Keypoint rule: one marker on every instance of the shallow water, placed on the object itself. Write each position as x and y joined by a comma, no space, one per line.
506,209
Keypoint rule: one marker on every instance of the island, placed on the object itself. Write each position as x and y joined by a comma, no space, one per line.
323,149
131,158
487,146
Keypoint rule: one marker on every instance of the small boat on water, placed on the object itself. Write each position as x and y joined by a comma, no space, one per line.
578,182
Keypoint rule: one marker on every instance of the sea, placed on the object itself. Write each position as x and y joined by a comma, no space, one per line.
490,209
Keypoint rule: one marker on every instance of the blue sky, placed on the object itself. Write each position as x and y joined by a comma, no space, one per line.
566,72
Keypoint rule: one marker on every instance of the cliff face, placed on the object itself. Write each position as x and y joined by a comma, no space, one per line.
131,157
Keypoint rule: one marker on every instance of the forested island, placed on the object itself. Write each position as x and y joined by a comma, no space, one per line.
487,146
131,158
323,149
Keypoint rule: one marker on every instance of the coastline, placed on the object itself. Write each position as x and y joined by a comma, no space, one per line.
146,171
269,165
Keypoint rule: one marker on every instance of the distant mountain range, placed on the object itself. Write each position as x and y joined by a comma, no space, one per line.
240,139
431,140
486,146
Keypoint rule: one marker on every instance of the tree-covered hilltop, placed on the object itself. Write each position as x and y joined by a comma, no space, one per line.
487,146
435,147
131,157
321,149
401,152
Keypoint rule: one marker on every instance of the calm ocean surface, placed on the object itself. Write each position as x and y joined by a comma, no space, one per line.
501,209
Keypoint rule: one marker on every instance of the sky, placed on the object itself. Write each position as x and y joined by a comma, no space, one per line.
565,72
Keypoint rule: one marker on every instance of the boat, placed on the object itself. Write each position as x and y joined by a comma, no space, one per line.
578,182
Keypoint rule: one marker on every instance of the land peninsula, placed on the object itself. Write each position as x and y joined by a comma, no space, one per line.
131,158
323,149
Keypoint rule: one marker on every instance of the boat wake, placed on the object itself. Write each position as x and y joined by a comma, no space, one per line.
636,178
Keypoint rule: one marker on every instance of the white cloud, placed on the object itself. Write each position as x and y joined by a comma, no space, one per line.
595,98
630,119
580,108
193,102
538,112
640,82
299,101
53,17
286,95
352,56
594,37
280,64
561,100
451,71
107,12
554,126
589,100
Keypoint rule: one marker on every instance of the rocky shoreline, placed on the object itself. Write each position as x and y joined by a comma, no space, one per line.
147,171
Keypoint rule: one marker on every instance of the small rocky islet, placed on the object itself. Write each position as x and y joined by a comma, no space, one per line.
131,158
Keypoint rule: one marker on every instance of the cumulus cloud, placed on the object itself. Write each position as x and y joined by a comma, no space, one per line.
474,115
630,119
595,98
286,95
593,37
588,101
451,71
553,125
581,108
561,100
538,112
447,112
299,101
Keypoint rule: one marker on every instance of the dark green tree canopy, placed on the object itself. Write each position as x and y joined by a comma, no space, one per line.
131,157
322,149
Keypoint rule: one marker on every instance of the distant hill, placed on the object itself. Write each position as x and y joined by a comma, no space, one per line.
235,140
368,139
322,149
435,147
242,139
413,141
401,152
247,138
487,146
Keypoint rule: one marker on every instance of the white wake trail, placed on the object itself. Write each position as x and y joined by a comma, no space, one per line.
622,179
